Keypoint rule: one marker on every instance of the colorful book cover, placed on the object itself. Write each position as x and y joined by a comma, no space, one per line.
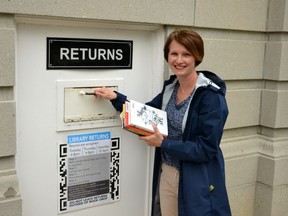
142,116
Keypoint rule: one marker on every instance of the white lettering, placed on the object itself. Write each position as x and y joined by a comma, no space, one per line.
111,54
119,54
90,54
64,52
74,54
78,139
102,53
83,52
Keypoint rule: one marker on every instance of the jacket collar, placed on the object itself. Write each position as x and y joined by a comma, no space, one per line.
205,79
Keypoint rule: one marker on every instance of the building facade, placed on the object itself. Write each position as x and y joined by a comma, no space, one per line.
246,43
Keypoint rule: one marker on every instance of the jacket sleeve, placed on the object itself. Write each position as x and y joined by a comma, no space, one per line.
203,131
156,101
119,101
121,98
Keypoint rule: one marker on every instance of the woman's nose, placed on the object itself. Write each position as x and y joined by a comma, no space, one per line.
179,59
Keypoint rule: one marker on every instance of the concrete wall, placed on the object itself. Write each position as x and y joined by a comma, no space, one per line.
246,43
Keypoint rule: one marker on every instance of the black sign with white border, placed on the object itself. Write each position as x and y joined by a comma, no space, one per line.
76,53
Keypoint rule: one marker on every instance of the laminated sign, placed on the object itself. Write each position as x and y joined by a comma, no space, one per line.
85,171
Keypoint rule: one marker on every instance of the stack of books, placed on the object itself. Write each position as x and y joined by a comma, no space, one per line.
138,118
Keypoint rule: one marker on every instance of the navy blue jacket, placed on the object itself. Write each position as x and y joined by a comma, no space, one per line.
202,189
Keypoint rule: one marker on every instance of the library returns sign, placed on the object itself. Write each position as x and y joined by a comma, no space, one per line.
72,53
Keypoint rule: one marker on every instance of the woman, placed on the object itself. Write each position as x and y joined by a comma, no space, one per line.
189,176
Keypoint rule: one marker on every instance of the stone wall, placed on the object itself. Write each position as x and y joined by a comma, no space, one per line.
10,201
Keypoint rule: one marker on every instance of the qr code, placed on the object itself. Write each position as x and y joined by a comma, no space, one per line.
115,169
114,189
63,177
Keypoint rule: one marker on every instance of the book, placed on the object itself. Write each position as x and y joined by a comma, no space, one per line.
138,118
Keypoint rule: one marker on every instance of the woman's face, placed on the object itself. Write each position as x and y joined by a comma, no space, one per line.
181,62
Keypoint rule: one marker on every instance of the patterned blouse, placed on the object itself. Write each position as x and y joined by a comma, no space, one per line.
175,114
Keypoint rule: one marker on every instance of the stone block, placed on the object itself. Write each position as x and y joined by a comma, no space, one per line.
271,201
7,21
274,147
241,15
266,170
276,64
244,174
273,172
263,200
8,186
6,93
272,178
7,57
281,171
244,108
278,16
234,58
7,129
274,109
137,11
280,200
242,200
241,146
7,163
282,111
11,207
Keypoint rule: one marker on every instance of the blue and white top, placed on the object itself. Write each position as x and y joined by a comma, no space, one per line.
175,114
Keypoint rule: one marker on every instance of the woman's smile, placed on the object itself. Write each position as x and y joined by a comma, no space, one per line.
181,62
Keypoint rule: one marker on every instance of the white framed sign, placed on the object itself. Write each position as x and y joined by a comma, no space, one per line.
89,171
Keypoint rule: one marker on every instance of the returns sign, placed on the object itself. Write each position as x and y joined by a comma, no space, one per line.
68,53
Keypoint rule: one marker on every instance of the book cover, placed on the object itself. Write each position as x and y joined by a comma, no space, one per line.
139,117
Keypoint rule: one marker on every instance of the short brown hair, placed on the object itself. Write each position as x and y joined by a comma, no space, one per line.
190,39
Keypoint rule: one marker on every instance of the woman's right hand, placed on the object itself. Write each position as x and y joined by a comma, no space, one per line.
105,93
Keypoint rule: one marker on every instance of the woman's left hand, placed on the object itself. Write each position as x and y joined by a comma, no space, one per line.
154,139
